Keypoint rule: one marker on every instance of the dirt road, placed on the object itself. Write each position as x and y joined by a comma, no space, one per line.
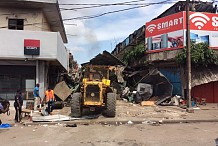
202,134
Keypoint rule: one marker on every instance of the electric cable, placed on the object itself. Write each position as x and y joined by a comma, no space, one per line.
112,4
99,15
116,11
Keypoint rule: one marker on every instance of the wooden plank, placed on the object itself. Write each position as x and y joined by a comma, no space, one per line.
147,103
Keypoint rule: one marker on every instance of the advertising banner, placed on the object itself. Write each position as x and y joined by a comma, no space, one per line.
168,40
200,36
164,25
169,32
202,21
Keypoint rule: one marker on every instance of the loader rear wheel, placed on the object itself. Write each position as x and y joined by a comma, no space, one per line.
76,109
110,110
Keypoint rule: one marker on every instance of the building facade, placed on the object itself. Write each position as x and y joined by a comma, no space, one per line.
166,37
32,50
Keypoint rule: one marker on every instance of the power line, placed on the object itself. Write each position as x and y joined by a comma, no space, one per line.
114,4
99,5
98,15
116,11
103,4
80,8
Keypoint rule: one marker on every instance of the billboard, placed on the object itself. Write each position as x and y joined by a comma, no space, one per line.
203,21
169,32
168,40
204,28
164,25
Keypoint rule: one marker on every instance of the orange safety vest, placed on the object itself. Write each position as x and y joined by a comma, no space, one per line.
49,95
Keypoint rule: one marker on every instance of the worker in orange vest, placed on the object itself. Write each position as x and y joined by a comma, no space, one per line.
50,98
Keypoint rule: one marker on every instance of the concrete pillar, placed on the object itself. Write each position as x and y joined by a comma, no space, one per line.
41,77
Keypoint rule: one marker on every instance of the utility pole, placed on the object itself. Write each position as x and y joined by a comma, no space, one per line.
188,60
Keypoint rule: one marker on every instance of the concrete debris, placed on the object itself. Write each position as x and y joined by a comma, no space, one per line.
144,92
153,123
148,85
129,122
145,81
52,118
196,108
71,125
45,125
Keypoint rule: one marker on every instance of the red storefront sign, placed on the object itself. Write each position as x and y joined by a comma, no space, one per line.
31,47
198,21
164,25
202,21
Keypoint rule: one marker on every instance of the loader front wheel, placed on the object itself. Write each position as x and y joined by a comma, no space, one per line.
110,110
76,109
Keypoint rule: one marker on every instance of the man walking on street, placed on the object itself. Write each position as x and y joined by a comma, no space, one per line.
50,98
36,97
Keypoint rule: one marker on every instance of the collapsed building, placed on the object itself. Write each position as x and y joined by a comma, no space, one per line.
163,45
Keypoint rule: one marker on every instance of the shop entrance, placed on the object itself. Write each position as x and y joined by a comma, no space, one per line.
13,77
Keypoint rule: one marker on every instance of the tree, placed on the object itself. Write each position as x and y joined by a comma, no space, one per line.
135,53
201,55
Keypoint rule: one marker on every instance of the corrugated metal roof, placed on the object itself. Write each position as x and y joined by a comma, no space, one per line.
105,58
203,76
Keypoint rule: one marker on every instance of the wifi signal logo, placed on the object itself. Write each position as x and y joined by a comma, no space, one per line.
151,28
199,19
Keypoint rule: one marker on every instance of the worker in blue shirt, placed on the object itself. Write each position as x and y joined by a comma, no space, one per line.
36,97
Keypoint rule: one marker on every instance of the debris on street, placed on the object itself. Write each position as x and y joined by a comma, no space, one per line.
51,118
147,103
62,90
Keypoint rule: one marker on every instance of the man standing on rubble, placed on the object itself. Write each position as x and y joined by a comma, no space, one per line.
50,98
36,97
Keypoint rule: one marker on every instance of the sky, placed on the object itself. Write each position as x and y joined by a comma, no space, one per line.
89,37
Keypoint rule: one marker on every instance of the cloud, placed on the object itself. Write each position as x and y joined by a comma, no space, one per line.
76,49
119,28
96,35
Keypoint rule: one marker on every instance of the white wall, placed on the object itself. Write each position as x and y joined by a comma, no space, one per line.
61,53
51,46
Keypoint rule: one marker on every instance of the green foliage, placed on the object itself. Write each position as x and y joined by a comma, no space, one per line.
201,55
135,53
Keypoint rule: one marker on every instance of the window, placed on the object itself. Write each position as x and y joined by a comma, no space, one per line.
16,24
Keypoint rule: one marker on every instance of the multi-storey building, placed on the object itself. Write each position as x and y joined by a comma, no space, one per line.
32,50
165,37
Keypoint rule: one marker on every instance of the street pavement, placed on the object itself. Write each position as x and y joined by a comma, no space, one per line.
129,113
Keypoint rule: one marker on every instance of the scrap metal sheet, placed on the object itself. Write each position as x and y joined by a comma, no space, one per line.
62,90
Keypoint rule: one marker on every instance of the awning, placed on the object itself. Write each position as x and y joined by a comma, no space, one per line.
201,75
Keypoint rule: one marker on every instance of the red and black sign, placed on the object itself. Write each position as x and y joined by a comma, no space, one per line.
31,47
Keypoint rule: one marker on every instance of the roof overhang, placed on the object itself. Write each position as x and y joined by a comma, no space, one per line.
49,7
